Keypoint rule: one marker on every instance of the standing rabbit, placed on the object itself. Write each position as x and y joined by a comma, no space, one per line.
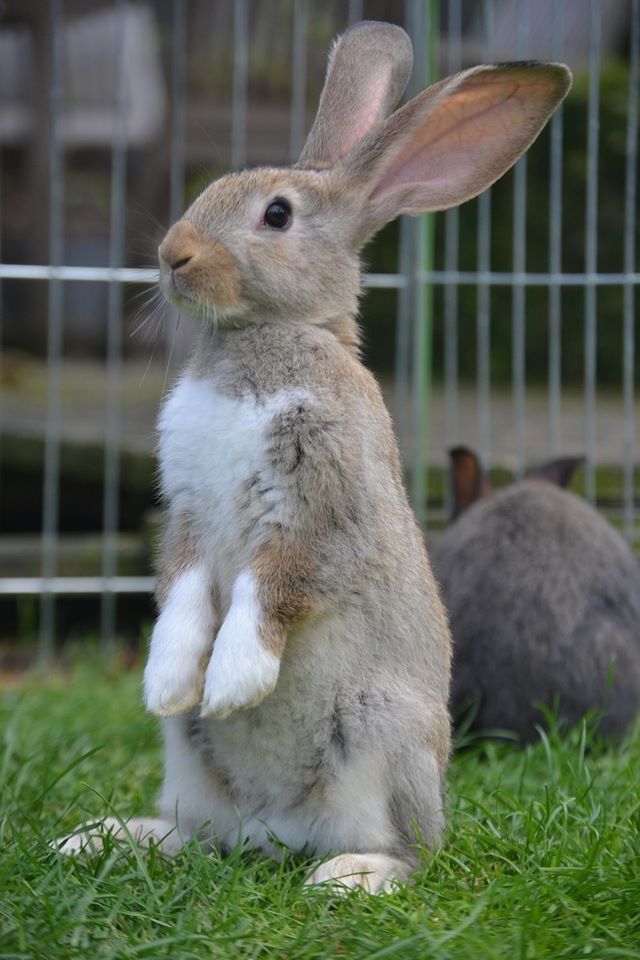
302,653
544,603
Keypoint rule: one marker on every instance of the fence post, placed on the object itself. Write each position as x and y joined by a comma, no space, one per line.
415,304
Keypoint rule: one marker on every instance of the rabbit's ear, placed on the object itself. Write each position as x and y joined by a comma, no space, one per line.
453,140
469,481
559,472
368,69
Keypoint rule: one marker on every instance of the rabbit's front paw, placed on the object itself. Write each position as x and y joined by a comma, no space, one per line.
242,671
172,684
180,644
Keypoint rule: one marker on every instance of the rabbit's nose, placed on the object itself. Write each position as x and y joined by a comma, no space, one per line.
179,246
182,262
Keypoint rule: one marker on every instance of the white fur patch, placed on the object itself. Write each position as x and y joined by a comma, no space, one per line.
241,671
358,797
213,455
180,642
374,872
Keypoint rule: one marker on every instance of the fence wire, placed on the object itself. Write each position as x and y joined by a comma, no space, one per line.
414,281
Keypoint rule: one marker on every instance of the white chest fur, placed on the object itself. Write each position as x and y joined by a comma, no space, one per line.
216,465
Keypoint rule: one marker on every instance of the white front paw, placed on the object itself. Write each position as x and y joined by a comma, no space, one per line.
241,671
173,682
180,644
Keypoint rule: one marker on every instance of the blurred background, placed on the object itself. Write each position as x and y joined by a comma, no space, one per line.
508,325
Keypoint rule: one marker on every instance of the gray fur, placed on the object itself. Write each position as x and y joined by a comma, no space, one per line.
369,670
544,603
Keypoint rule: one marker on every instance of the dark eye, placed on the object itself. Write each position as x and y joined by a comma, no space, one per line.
278,214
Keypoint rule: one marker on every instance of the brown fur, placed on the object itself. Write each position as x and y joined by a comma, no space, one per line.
468,480
204,267
177,553
306,274
283,573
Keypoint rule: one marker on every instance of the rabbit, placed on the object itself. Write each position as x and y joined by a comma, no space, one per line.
543,597
301,656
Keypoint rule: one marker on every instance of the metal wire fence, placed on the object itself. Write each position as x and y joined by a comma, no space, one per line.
416,278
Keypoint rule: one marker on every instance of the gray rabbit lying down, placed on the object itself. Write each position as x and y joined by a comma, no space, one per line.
301,653
543,598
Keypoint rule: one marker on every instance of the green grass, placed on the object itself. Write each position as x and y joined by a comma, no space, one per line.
542,857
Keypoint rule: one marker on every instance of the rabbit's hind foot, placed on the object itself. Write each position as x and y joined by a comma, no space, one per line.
90,838
373,872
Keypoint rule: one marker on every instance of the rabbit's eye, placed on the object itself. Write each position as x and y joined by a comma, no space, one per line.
278,214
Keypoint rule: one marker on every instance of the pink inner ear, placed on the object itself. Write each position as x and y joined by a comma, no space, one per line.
367,113
469,138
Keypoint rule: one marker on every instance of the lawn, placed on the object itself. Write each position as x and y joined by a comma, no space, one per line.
542,857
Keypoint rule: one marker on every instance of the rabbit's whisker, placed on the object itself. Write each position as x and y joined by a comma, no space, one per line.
170,357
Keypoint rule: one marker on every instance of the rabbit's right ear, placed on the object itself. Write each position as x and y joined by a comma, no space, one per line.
468,479
369,68
559,471
450,142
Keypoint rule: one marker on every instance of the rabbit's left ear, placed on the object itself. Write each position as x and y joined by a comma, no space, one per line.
453,140
468,480
368,69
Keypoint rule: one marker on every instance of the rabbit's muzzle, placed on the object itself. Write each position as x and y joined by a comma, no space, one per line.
194,268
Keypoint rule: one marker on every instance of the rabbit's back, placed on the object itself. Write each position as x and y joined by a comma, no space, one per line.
544,604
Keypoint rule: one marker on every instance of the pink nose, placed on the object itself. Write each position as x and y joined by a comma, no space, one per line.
180,245
201,268
180,263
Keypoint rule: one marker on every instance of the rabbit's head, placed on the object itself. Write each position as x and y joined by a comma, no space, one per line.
469,482
285,243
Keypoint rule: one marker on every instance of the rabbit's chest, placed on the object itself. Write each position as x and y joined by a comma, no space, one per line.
216,459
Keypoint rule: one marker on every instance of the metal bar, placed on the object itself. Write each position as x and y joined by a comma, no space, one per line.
51,481
111,512
172,344
518,302
402,357
591,248
420,368
1,322
505,279
413,336
240,73
392,281
178,109
407,267
451,252
355,12
555,249
68,586
426,23
299,78
28,271
483,302
631,197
